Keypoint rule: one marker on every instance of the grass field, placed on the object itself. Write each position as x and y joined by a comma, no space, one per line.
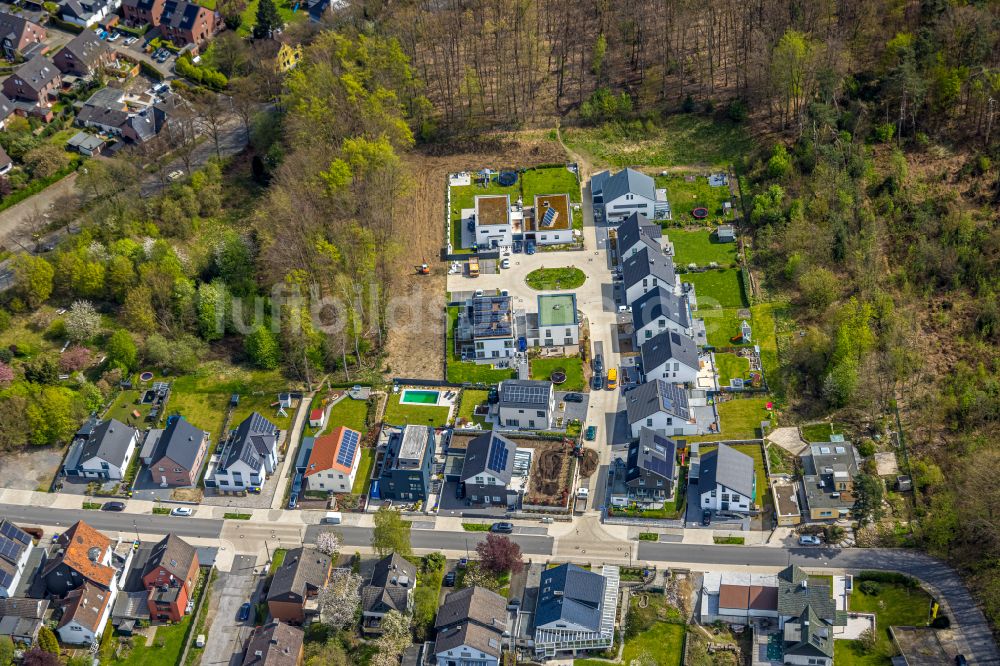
362,480
650,640
717,288
398,414
168,643
731,366
765,335
262,405
542,368
722,325
679,139
740,418
549,279
700,247
284,10
471,399
464,196
549,180
821,432
684,196
348,412
895,605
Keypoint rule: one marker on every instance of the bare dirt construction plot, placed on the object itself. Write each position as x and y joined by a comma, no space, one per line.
30,468
550,471
415,347
589,462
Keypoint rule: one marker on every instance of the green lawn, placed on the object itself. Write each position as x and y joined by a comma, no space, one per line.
471,399
124,405
678,139
363,477
700,247
717,288
349,412
765,335
262,405
284,9
684,196
542,368
204,410
756,452
460,371
731,366
549,279
398,414
729,540
740,418
650,640
895,605
549,180
277,558
821,432
165,650
723,325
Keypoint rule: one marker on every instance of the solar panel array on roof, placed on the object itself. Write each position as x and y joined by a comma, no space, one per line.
498,455
5,579
347,447
529,394
658,465
550,217
491,316
13,532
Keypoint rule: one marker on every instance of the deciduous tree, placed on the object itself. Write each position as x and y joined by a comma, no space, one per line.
33,277
122,352
499,554
328,543
391,533
83,321
339,600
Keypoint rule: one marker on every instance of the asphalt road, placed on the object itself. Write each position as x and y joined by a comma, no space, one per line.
435,540
111,521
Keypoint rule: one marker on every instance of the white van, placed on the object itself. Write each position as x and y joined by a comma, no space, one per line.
332,518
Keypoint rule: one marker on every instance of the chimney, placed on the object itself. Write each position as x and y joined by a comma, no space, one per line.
258,653
804,584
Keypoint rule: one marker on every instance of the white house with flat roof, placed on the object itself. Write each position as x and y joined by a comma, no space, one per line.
486,329
557,322
493,224
553,219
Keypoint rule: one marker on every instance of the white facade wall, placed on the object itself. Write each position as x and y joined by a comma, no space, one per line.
796,660
487,233
94,468
713,499
552,336
665,424
619,209
661,325
464,655
633,293
554,237
333,481
491,349
672,372
6,592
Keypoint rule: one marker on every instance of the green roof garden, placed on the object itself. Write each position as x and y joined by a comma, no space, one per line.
557,310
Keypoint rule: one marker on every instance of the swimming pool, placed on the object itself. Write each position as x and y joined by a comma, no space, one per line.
415,397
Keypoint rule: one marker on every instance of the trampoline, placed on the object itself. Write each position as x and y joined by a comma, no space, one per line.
700,213
146,376
558,377
507,178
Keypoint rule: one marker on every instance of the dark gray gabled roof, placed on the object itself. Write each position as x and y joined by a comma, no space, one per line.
250,442
656,396
181,442
657,303
669,345
525,393
394,576
489,452
87,48
109,441
6,107
598,181
652,453
302,568
570,594
476,636
635,227
809,635
174,554
645,263
275,644
729,467
629,181
37,72
476,604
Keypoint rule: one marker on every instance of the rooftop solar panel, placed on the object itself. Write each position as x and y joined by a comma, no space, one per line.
347,447
550,217
498,455
12,531
529,394
492,316
6,579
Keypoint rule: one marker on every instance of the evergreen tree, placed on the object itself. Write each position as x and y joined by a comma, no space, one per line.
267,20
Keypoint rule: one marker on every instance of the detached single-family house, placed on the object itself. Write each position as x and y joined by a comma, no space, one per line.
85,614
20,36
296,585
627,192
660,310
174,455
635,233
15,549
81,555
170,574
553,220
556,324
828,471
488,469
274,644
103,452
796,592
86,13
405,475
470,628
333,463
527,404
20,619
37,80
671,357
84,56
493,224
576,610
649,473
486,331
390,589
727,481
248,456
647,269
317,418
662,407
808,640
6,111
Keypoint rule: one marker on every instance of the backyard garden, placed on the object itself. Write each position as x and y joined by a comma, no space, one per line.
413,414
896,600
572,367
654,634
687,191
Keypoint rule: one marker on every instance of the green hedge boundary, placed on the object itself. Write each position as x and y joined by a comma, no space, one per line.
36,186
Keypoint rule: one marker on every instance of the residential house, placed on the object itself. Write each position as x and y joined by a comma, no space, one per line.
648,474
808,640
295,586
390,589
552,220
408,453
796,592
671,357
179,21
87,13
627,192
493,223
84,56
333,463
634,234
6,110
20,619
647,269
274,644
37,80
726,233
665,408
738,597
170,575
785,494
248,456
21,37
828,472
576,610
470,628
556,324
288,57
527,404
486,330
82,555
107,112
138,13
15,549
104,452
86,144
321,11
727,481
660,310
85,615
174,454
317,418
6,164
488,469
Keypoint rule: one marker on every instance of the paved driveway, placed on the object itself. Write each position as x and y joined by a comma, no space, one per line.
226,635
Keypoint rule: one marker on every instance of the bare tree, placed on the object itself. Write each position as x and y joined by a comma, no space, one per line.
214,111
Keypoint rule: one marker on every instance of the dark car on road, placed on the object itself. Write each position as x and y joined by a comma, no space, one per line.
113,506
597,382
502,528
244,613
449,579
573,397
598,364
706,517
529,247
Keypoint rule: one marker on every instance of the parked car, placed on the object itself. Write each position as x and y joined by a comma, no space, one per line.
960,660
459,491
463,562
514,604
573,397
502,528
293,500
505,263
175,174
471,226
591,433
114,37
706,517
244,613
129,41
449,579
598,364
597,382
113,506
529,247
254,490
809,540
182,511
517,246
